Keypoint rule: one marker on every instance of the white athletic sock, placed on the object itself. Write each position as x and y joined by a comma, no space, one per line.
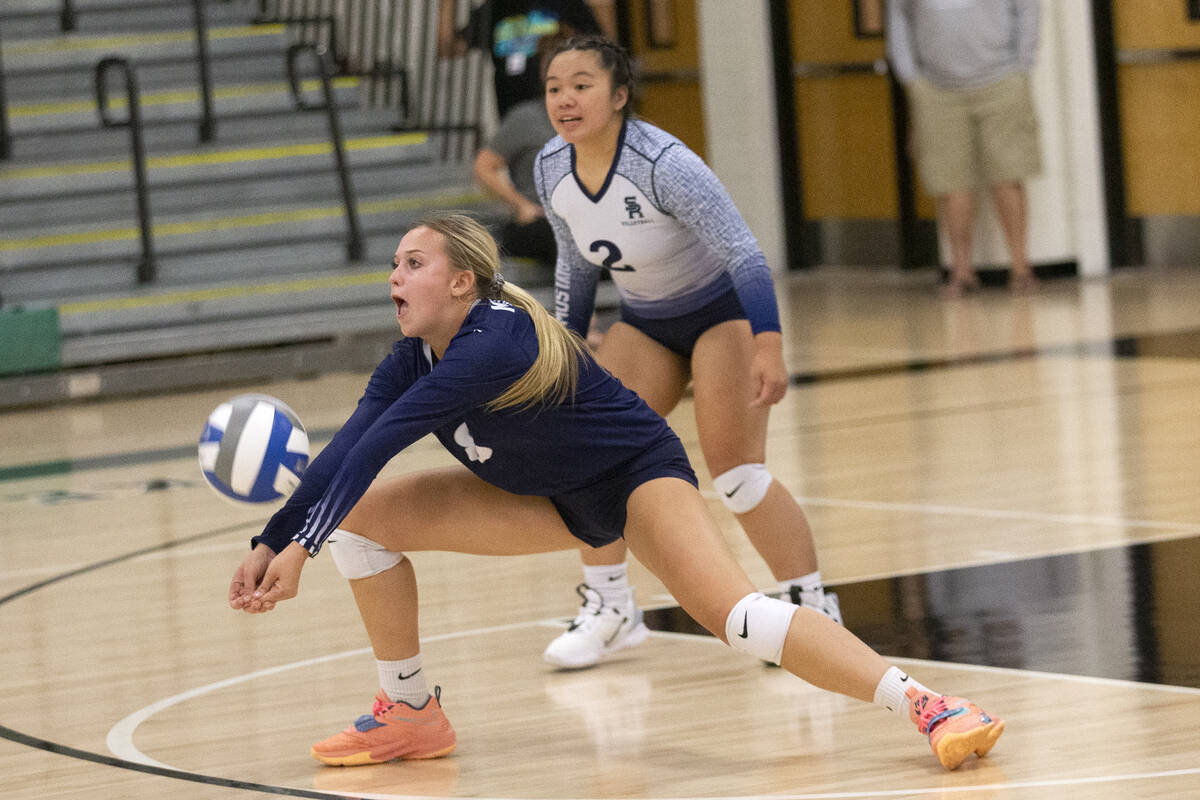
404,680
892,688
611,581
811,592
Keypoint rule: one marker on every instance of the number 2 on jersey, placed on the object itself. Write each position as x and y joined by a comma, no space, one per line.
614,255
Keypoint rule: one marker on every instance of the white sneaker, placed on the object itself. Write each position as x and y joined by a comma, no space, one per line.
827,605
598,631
831,607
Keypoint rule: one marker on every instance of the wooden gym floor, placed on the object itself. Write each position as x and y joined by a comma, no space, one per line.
1003,490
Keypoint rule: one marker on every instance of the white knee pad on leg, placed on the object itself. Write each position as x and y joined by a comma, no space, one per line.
758,625
358,557
743,488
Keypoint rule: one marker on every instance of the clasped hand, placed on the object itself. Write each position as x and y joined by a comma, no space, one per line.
264,579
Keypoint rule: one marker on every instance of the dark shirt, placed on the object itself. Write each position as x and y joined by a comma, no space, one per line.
513,30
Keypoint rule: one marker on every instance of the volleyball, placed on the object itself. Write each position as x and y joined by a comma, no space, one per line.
253,449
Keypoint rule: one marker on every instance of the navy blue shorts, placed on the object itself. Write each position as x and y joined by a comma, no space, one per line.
679,334
596,515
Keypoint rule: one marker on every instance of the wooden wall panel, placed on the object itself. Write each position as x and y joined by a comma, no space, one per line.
1160,128
846,147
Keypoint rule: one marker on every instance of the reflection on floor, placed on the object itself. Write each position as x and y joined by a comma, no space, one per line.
1127,613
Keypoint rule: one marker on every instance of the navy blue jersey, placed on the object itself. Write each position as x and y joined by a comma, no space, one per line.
544,450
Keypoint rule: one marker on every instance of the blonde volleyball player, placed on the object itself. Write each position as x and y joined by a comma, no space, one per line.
554,453
697,305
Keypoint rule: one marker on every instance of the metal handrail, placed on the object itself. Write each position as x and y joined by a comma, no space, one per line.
66,17
208,122
147,268
354,239
392,45
311,25
5,138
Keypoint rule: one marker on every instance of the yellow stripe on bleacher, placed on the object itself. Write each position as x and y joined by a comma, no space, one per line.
163,230
224,292
76,43
213,159
167,98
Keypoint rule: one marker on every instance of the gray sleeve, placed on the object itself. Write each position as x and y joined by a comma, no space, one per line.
520,130
899,42
689,191
1028,24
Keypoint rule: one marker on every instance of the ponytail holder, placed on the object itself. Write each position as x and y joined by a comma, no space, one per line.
497,285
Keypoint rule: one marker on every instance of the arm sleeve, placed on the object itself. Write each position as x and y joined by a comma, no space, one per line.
521,130
474,372
690,192
1028,22
575,278
505,142
382,390
899,43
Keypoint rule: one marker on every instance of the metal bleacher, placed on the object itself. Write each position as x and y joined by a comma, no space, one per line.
260,267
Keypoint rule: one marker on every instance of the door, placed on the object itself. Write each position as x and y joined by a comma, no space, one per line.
855,200
1157,83
661,37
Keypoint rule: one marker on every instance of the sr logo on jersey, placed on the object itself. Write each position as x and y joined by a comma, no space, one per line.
634,209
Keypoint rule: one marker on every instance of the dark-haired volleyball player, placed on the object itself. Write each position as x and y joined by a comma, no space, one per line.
697,305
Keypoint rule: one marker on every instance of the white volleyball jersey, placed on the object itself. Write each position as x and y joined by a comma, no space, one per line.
662,224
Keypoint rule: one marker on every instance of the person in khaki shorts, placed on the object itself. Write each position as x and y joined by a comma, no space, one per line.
965,66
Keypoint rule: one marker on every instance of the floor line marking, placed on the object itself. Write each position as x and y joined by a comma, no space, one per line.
120,736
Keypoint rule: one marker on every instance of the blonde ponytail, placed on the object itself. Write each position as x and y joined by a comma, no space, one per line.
553,376
554,373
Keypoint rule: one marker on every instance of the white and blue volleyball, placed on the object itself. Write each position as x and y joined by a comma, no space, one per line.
253,449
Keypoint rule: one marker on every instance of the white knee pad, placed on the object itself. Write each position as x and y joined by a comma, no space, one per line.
743,488
758,625
357,557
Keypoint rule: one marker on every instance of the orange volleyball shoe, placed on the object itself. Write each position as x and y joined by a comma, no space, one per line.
956,727
393,729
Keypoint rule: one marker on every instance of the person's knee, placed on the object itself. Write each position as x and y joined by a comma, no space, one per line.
357,557
743,487
759,625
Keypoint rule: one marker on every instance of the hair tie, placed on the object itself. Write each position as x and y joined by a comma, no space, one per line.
497,285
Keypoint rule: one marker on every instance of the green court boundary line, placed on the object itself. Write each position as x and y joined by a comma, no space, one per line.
65,466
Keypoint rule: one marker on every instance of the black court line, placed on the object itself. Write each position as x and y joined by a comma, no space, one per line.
166,772
57,748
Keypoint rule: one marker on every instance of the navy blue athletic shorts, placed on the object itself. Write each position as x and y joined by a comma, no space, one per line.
679,334
596,514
